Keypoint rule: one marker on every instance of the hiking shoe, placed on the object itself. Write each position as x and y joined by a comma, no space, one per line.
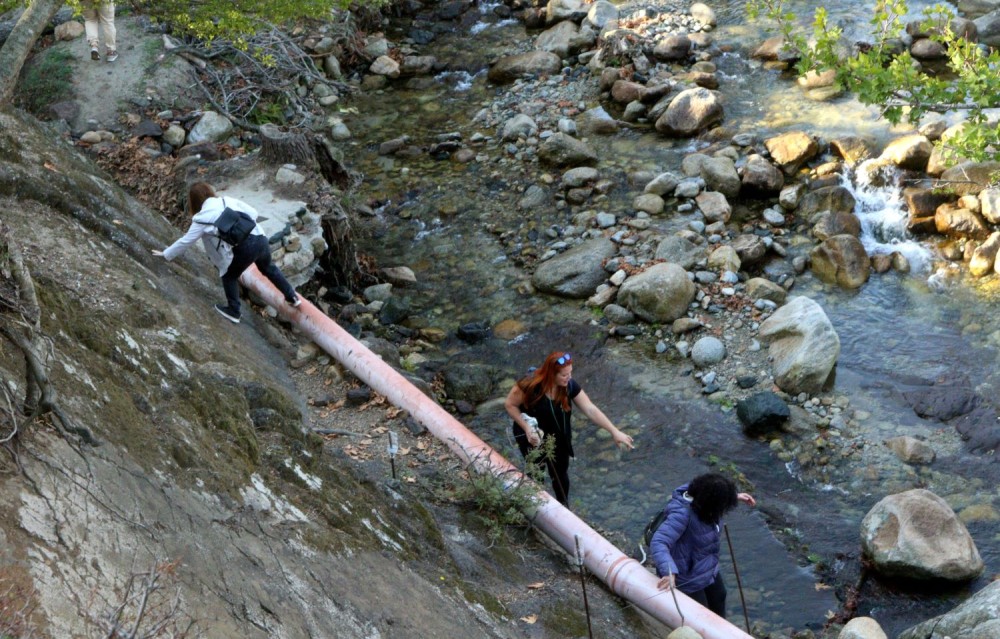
228,313
95,54
295,301
112,56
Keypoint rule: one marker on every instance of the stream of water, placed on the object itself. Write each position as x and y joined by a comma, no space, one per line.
443,219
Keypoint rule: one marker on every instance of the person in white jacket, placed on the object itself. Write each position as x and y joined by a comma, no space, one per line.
231,261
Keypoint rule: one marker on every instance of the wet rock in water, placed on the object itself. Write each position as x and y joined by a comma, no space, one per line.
563,150
577,272
760,177
908,152
853,149
512,67
804,347
469,382
862,628
916,535
841,260
955,221
911,450
474,332
394,310
691,112
792,150
830,223
942,401
762,413
975,617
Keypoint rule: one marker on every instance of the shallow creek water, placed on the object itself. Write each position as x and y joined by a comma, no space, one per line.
443,219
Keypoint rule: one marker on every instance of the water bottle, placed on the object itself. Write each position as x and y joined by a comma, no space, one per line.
532,425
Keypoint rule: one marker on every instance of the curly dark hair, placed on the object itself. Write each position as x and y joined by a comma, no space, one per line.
712,496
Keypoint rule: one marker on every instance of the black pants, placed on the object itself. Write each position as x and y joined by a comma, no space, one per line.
712,596
253,250
557,466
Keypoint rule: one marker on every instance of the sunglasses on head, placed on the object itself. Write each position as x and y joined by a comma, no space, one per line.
564,359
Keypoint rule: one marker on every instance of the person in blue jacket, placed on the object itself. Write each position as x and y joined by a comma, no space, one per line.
687,544
231,261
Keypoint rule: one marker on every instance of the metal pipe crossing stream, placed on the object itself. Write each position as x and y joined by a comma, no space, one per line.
625,576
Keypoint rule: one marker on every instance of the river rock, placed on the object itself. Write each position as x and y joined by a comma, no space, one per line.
708,351
649,203
720,175
978,617
724,259
828,224
559,10
470,382
827,198
564,150
601,13
384,65
534,197
927,49
703,14
565,38
988,27
791,150
579,176
791,196
852,148
762,413
750,249
774,49
862,628
841,260
916,535
803,346
911,450
969,178
714,206
625,91
596,121
984,257
617,314
923,202
954,221
989,204
908,152
211,127
690,112
417,65
760,288
679,250
760,177
672,47
692,162
510,68
659,294
519,126
663,183
577,272
815,80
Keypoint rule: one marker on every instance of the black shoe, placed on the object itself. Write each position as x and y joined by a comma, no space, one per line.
228,313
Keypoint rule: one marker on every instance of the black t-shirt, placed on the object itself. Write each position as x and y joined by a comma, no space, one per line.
552,419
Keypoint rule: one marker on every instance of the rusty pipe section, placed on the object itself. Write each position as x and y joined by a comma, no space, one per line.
623,575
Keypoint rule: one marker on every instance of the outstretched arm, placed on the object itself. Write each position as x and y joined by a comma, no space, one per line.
595,415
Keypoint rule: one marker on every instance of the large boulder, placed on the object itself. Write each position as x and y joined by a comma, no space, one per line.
577,272
916,535
660,294
978,617
827,198
803,346
762,413
720,175
841,260
761,178
212,127
908,152
969,178
691,112
512,67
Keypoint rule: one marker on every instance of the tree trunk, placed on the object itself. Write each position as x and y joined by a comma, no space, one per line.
22,38
285,147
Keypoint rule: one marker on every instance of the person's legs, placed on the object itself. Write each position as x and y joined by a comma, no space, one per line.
243,256
90,26
269,269
106,13
559,472
715,596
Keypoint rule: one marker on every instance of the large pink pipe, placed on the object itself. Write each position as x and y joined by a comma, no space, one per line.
623,575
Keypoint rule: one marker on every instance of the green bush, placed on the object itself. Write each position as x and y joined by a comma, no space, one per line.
45,80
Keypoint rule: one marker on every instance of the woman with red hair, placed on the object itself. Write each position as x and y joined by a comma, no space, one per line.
548,395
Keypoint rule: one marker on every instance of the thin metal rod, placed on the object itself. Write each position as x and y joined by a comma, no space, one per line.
739,585
676,605
583,584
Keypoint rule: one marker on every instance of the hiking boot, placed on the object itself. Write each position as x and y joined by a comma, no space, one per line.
228,313
95,54
112,56
294,301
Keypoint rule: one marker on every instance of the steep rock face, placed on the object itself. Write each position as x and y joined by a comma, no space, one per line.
205,471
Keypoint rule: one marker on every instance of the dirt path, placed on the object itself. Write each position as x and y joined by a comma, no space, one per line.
104,90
